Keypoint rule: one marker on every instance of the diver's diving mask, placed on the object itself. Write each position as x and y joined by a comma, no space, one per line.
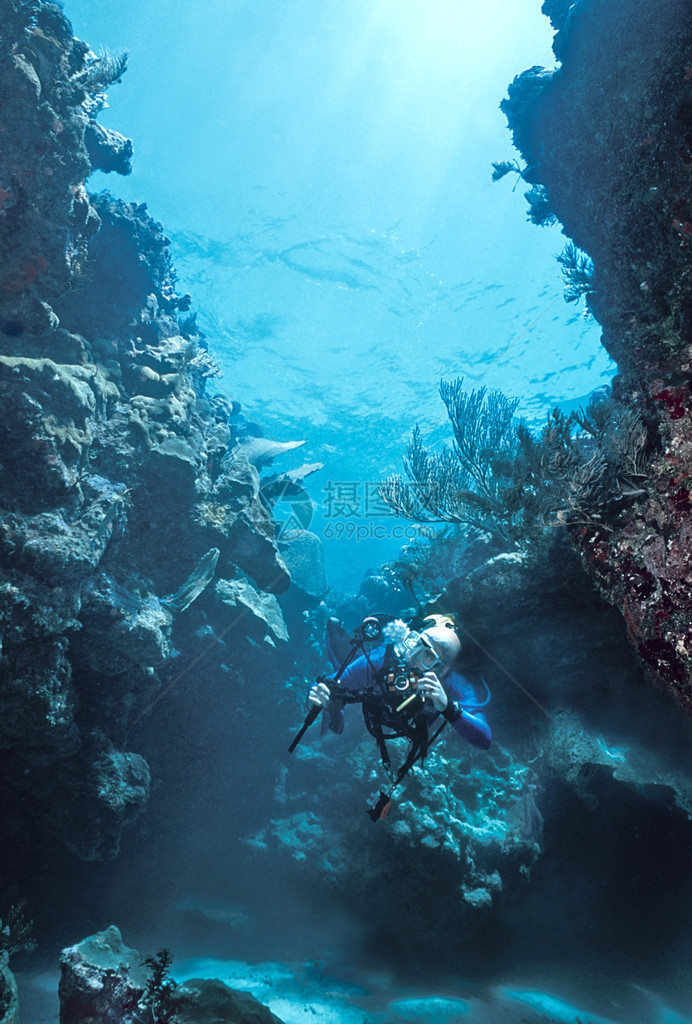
419,652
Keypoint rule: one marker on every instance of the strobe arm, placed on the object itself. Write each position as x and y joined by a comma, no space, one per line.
311,716
336,693
369,631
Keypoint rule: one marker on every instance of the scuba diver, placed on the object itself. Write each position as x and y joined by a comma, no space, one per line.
406,683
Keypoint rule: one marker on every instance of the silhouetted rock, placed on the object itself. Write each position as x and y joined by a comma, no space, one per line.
104,982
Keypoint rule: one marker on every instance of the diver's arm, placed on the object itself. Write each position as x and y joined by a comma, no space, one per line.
320,697
352,678
355,677
472,725
474,728
359,674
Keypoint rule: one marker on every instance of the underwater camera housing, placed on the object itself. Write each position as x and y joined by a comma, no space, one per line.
401,686
401,678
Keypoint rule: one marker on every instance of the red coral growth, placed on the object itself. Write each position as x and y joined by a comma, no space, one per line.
681,500
682,227
675,401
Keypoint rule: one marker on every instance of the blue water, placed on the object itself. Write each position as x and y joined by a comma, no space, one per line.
322,168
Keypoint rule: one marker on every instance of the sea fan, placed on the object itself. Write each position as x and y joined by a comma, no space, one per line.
500,479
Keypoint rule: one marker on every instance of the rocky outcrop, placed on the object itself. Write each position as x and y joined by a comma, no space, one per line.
471,822
104,982
607,139
9,1001
123,488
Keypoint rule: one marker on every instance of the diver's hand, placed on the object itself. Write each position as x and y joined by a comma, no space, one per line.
319,695
430,686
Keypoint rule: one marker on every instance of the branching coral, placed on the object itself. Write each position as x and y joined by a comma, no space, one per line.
14,935
463,483
504,167
540,212
100,72
155,1002
577,273
497,477
539,209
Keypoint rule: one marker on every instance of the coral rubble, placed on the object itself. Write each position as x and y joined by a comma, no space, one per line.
607,137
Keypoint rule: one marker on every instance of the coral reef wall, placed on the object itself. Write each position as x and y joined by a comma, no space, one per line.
607,138
124,496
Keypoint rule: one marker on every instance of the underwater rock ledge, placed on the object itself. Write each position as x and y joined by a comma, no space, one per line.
607,137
